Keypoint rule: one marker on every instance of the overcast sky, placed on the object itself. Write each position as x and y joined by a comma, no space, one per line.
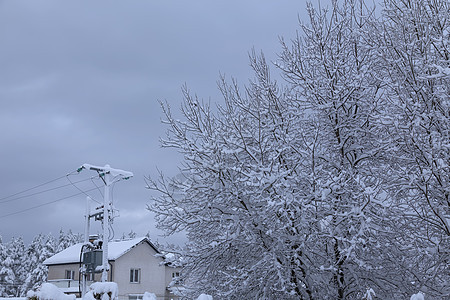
80,83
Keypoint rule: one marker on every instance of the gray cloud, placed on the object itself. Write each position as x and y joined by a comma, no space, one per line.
80,83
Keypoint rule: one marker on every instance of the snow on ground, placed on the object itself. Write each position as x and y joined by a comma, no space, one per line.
23,298
50,291
149,296
204,297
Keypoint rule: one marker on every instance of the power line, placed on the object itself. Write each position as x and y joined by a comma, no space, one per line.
37,193
44,204
34,187
83,192
97,187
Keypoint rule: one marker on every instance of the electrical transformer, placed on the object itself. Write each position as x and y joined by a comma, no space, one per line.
92,259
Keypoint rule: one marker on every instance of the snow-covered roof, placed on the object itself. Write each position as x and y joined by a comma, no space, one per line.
115,250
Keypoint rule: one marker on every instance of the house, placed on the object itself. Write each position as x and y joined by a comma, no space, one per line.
134,265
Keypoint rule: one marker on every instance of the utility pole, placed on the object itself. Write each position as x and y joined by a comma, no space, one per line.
109,176
86,240
106,211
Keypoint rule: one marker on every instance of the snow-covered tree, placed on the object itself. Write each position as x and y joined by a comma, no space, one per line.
236,197
414,48
333,72
65,240
331,185
3,269
9,284
130,235
22,269
32,261
41,248
14,267
276,188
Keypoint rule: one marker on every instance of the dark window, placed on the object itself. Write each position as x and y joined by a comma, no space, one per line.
135,275
176,278
70,274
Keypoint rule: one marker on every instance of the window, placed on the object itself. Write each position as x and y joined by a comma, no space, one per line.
135,275
176,278
135,297
90,276
70,274
2,278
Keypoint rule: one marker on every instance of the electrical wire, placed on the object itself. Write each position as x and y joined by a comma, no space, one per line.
111,233
44,204
5,200
112,203
34,187
84,192
79,270
100,191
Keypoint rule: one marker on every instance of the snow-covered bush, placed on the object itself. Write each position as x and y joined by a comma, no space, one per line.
49,291
149,296
418,296
102,291
204,297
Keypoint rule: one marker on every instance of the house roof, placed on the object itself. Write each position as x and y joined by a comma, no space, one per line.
115,250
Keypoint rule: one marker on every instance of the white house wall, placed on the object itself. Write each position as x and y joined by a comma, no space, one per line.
153,274
59,271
